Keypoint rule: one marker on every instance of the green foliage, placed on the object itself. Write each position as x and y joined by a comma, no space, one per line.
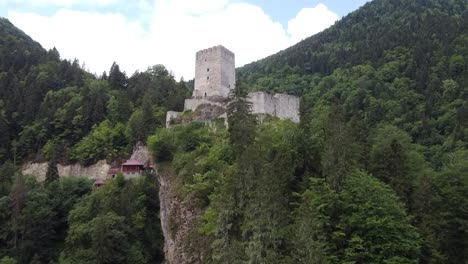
381,146
374,64
251,215
312,225
162,145
375,225
241,122
105,141
116,223
440,209
166,142
46,101
337,161
36,227
394,162
8,260
7,172
136,126
193,136
267,210
52,172
364,223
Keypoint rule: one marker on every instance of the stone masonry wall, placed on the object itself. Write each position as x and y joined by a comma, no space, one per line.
192,104
262,103
214,72
171,115
282,106
287,107
215,76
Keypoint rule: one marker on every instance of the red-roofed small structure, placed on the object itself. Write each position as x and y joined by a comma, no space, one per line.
99,182
132,168
133,162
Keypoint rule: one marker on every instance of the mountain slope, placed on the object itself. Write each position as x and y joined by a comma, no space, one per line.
376,171
402,62
51,107
53,111
364,35
17,49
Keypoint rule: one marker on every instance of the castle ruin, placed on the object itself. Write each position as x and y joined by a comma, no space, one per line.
215,73
215,77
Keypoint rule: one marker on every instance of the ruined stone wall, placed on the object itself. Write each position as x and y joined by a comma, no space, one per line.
171,115
193,104
262,103
287,107
282,106
214,72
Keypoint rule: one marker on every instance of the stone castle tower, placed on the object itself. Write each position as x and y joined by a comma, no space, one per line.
215,73
215,77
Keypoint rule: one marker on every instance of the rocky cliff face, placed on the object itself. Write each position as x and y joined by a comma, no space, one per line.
142,153
97,170
180,220
179,215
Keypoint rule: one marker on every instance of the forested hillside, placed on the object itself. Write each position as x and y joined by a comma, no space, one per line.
53,110
376,170
50,105
401,62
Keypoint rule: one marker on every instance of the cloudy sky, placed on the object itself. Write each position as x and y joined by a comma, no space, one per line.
140,33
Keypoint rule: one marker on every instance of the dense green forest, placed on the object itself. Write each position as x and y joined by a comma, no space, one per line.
53,110
50,105
67,221
375,172
399,62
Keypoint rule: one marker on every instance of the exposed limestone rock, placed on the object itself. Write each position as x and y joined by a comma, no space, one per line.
208,112
180,217
142,153
204,113
179,221
39,170
97,170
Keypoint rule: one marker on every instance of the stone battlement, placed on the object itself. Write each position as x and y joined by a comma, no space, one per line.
216,49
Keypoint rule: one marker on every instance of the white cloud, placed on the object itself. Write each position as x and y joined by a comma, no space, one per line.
97,39
243,28
65,3
310,21
177,29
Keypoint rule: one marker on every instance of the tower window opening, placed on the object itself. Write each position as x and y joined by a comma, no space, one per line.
208,69
207,77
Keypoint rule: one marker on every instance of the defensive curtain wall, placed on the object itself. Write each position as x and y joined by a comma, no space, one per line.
283,106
